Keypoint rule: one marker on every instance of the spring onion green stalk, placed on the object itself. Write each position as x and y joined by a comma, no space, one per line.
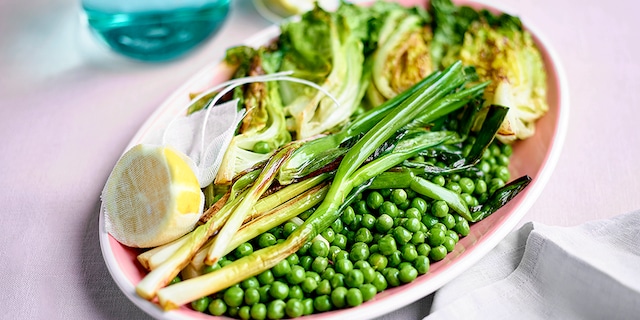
233,223
346,179
318,153
499,198
267,220
490,126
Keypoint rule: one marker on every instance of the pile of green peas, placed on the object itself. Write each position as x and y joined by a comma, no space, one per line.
385,238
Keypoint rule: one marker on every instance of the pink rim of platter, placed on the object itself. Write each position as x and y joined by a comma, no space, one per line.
536,156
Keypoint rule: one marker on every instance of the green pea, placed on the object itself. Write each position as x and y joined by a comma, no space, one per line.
368,291
398,196
337,225
304,250
308,306
288,228
374,247
439,180
354,278
211,268
387,245
359,251
449,244
294,308
262,147
328,273
402,235
319,264
503,160
506,149
409,252
436,236
502,173
340,241
403,206
412,224
233,296
309,285
337,280
413,213
384,223
429,221
296,275
487,154
295,292
314,275
421,264
339,297
395,258
448,220
217,307
468,199
354,297
374,200
419,204
251,296
392,277
293,259
363,235
264,293
324,287
484,166
368,221
407,274
423,249
343,266
379,281
322,303
439,208
200,304
342,255
244,313
418,237
360,264
440,226
356,223
438,253
348,215
389,208
279,290
480,187
378,261
177,279
224,262
251,282
454,186
281,269
462,228
466,185
329,234
453,235
403,264
275,309
305,262
360,207
319,249
368,273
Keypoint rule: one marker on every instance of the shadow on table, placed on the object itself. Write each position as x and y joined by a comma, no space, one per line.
107,299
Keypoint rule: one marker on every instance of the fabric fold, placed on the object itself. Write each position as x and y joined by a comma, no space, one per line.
590,271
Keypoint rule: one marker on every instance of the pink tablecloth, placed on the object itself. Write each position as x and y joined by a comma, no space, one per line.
67,110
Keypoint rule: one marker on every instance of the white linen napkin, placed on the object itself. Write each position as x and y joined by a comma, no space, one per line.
590,271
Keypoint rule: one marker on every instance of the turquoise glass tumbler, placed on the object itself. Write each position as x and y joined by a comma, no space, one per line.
154,30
